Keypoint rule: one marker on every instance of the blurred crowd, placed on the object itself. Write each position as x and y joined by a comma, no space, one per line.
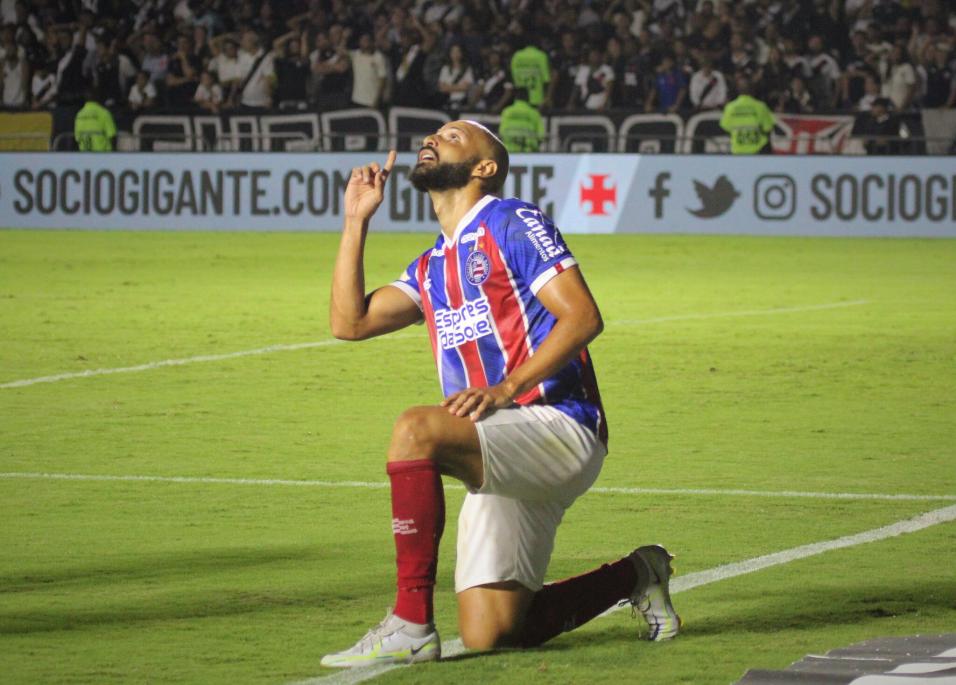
667,56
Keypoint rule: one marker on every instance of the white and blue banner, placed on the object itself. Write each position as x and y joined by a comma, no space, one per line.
587,193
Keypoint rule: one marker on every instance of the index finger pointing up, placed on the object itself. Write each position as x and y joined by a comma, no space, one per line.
390,162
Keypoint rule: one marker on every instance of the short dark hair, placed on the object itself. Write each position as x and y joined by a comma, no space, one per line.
493,185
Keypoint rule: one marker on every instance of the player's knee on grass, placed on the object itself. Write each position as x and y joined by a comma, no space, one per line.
415,435
492,616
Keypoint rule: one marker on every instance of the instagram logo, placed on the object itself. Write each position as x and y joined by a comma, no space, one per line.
775,197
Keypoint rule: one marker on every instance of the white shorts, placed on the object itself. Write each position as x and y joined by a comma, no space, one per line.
537,461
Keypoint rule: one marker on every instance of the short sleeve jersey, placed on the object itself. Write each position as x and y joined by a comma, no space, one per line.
478,295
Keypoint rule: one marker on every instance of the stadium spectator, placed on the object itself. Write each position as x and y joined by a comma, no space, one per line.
183,72
521,128
71,81
208,95
708,89
495,90
15,80
833,45
530,69
879,128
266,25
871,91
630,81
432,66
670,88
593,82
225,64
796,99
899,79
330,70
410,89
258,73
153,59
823,73
940,78
292,71
456,78
26,24
773,77
106,72
201,50
142,95
43,87
564,66
369,74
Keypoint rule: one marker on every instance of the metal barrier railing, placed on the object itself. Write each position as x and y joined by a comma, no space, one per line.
578,142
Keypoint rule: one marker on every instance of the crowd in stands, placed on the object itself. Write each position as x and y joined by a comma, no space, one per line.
469,55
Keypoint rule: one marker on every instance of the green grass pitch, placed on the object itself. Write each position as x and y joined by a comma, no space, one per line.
146,581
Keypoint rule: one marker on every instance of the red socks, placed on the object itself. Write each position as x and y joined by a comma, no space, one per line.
418,520
565,605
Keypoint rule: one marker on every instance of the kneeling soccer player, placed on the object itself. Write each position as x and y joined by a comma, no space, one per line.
509,316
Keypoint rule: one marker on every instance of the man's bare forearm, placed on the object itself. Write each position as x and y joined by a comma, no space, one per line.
347,307
569,336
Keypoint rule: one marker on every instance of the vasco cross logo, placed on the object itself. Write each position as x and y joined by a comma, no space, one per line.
598,194
714,201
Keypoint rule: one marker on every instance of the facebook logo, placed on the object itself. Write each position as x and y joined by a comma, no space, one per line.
659,192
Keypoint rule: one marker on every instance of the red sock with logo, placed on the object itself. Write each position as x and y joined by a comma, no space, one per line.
418,520
567,604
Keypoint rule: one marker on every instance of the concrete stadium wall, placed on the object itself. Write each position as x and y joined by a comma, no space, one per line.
595,193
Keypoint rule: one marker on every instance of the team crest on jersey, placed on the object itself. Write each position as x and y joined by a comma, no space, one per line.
477,267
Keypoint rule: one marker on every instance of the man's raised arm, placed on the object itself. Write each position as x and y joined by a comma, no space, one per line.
352,314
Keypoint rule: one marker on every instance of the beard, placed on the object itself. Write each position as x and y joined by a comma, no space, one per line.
442,175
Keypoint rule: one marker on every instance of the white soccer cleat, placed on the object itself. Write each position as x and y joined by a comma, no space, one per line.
654,601
393,641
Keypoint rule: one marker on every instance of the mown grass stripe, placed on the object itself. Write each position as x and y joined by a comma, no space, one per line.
375,485
149,366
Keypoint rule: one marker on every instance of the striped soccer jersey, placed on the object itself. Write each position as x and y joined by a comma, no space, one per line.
477,292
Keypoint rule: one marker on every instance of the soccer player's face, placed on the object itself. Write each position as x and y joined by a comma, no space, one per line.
448,157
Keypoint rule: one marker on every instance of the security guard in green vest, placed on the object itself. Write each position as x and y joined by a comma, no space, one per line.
748,121
94,128
521,128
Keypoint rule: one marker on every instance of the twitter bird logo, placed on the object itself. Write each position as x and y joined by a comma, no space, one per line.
714,201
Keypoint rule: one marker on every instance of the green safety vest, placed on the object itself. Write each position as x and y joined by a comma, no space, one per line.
530,69
94,128
521,128
749,123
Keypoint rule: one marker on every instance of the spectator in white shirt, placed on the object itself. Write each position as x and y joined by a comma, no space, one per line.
143,93
208,93
708,88
258,73
43,87
593,82
455,78
225,63
369,74
899,81
823,73
15,80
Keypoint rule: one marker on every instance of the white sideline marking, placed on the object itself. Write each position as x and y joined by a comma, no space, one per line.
451,486
185,360
692,580
746,312
322,343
